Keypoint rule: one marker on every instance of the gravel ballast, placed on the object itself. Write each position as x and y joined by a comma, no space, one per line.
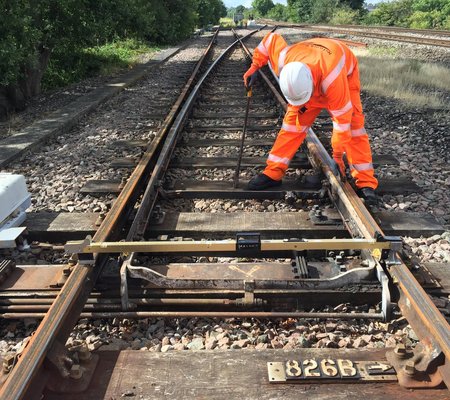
57,171
417,137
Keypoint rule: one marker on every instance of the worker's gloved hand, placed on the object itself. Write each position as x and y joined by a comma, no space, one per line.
250,76
339,160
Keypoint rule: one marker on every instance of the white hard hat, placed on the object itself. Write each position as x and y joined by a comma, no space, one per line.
296,83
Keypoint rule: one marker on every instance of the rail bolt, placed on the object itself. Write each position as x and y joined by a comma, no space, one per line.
100,219
76,372
8,363
84,354
400,351
409,368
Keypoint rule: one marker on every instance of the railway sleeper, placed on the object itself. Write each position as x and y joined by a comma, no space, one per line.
424,367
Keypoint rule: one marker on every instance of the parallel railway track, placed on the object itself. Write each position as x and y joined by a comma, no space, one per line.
431,32
269,277
383,33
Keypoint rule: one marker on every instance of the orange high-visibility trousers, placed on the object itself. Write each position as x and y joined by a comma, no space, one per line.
359,155
292,133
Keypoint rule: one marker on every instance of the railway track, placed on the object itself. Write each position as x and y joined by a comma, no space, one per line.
383,33
431,32
148,259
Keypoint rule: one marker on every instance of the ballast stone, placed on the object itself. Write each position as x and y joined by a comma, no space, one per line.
14,200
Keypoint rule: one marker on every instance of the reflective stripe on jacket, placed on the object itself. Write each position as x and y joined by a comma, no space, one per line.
268,50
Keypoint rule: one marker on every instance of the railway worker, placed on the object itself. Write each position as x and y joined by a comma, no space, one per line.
315,74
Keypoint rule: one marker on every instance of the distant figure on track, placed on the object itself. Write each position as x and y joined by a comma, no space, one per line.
315,74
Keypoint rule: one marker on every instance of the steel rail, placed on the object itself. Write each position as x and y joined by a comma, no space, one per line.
65,310
108,301
141,219
424,317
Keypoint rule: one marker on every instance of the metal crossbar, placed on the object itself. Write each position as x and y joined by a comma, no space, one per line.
87,246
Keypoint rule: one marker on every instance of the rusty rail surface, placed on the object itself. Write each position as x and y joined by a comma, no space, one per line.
29,376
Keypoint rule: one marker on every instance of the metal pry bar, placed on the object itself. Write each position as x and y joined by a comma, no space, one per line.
244,131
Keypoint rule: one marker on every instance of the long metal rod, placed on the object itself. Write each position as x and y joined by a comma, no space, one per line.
116,305
64,312
210,314
20,302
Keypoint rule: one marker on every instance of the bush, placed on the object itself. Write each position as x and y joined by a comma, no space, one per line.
323,11
396,13
58,32
262,7
278,13
344,16
227,22
299,10
64,69
412,13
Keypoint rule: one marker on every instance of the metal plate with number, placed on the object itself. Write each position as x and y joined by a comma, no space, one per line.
328,368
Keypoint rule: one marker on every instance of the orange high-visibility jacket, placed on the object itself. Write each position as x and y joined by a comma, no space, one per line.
330,63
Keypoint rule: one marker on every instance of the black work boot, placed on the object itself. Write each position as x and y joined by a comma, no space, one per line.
369,196
261,181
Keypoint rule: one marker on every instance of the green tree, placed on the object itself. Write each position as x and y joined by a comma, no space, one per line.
278,13
209,11
352,4
430,13
299,10
262,7
219,10
345,16
323,10
396,13
17,39
32,34
412,13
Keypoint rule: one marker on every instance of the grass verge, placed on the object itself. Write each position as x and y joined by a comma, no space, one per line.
227,23
416,83
64,69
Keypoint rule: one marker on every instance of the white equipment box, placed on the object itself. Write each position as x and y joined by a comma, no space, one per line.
14,200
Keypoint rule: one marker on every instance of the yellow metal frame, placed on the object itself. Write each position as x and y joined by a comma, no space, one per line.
87,246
